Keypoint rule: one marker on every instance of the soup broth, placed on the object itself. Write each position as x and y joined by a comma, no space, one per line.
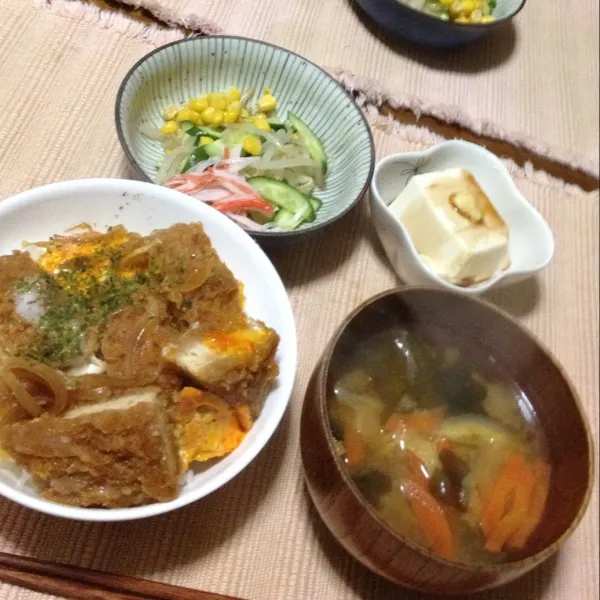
449,455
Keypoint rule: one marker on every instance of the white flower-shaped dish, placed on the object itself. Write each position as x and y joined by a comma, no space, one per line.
531,243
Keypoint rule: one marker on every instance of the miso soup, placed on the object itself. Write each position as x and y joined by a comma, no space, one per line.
449,454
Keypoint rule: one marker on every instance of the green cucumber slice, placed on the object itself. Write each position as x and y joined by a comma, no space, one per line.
313,143
284,196
198,155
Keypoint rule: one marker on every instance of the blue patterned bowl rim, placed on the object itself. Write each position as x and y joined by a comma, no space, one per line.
496,22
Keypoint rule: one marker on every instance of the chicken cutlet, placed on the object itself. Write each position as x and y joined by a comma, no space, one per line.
238,365
113,454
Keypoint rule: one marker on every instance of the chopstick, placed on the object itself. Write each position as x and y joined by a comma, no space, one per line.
86,584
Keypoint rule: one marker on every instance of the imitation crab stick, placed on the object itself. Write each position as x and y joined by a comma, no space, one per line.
431,517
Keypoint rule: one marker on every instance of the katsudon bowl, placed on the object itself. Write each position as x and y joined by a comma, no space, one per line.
41,213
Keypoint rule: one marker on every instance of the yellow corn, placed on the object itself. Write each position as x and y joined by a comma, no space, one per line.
236,106
218,101
231,116
447,3
486,19
468,6
169,127
233,95
244,113
252,145
207,115
261,122
198,104
187,114
170,112
267,103
204,139
217,118
461,20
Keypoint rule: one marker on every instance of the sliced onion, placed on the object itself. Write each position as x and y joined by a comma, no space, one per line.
47,376
22,396
204,164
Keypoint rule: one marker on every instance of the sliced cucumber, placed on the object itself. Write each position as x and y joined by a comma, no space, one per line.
315,203
198,155
217,148
203,131
186,126
285,197
285,220
313,143
275,124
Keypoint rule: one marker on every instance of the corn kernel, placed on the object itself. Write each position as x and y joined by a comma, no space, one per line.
486,19
169,127
198,104
231,116
468,7
218,101
207,115
476,16
267,103
233,95
217,118
252,145
461,20
204,139
185,114
244,114
236,106
447,3
170,112
261,122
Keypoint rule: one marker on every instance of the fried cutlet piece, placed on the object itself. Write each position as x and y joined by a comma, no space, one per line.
237,365
118,453
17,334
201,287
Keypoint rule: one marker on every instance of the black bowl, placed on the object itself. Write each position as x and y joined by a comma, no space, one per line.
409,23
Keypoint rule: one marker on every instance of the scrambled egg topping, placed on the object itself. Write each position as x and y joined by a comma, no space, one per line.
207,426
85,261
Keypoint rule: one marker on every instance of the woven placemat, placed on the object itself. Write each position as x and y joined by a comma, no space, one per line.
535,83
258,537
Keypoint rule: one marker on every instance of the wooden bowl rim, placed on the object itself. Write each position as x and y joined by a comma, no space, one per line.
321,386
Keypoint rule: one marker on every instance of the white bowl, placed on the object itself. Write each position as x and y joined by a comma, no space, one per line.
531,243
141,207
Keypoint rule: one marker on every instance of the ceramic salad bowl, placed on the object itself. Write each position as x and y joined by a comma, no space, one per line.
189,68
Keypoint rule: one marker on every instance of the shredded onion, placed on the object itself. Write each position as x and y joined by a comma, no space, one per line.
21,395
47,376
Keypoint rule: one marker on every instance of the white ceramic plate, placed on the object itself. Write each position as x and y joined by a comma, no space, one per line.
531,243
141,207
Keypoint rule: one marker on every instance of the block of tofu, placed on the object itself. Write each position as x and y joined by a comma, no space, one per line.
113,454
454,226
238,365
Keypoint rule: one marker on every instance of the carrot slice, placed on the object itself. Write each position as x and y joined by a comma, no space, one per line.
420,421
536,508
431,517
417,470
356,451
501,494
395,423
514,518
425,421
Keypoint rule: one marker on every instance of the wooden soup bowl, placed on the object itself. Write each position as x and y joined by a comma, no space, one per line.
478,330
